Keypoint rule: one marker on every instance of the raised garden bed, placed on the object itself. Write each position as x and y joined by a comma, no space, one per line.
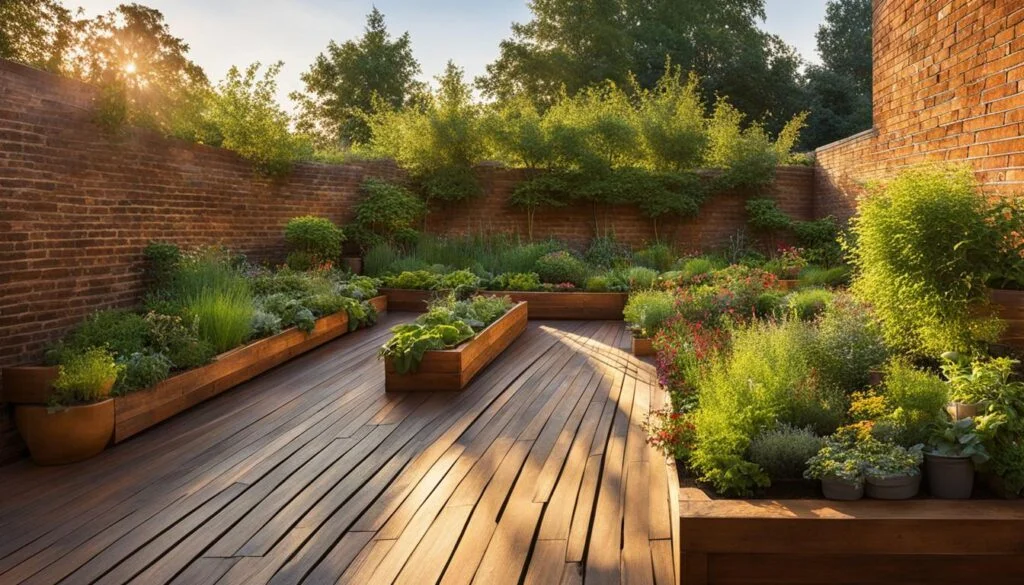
403,299
138,411
820,541
591,306
643,347
453,369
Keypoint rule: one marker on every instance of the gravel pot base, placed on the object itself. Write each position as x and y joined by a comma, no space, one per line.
900,487
950,478
65,435
841,489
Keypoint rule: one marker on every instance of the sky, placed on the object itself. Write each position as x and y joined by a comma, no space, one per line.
222,33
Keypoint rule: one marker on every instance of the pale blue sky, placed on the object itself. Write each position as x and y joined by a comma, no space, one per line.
237,32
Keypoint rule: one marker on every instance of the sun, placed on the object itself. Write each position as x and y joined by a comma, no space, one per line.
130,68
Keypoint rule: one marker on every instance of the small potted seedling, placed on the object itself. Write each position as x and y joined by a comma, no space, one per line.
891,472
78,422
973,383
954,449
839,467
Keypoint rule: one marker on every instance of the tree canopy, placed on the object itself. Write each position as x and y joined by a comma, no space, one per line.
36,32
345,82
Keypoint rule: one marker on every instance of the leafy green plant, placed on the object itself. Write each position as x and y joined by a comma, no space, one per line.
808,303
84,376
224,317
418,280
289,310
646,311
656,256
386,213
838,458
317,238
921,252
694,267
848,344
459,280
561,267
764,214
597,283
958,439
831,277
671,432
641,278
523,281
783,452
605,252
122,332
177,338
978,380
162,260
142,370
265,324
883,460
912,402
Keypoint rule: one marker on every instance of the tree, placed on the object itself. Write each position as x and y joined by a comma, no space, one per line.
839,90
143,68
566,45
343,83
36,32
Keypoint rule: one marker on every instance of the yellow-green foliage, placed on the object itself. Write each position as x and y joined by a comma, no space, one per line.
921,247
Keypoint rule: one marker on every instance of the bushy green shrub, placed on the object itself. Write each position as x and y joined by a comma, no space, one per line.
84,376
418,280
378,259
848,344
922,247
142,370
561,267
178,338
224,316
647,310
605,252
461,280
783,452
641,278
386,213
764,214
915,400
121,332
290,311
265,324
694,267
808,303
656,256
162,261
820,240
523,281
833,277
315,238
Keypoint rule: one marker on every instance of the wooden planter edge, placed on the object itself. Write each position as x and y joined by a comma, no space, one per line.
597,306
453,369
868,540
140,410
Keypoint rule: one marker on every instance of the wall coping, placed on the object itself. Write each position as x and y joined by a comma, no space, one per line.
869,133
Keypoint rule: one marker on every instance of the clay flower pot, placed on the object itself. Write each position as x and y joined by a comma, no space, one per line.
56,436
962,410
894,487
950,478
28,384
835,488
643,346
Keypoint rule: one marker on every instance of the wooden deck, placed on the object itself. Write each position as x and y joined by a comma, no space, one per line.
537,473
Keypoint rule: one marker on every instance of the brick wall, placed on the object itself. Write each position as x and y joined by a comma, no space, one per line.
77,206
948,87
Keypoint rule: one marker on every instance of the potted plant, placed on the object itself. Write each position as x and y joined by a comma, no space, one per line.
839,467
954,449
645,313
79,420
974,383
891,472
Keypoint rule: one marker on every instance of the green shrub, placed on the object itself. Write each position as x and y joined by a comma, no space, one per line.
605,252
524,281
770,303
815,276
177,338
378,259
656,256
561,267
418,280
316,238
641,278
265,324
122,332
224,317
783,452
915,400
820,240
290,311
386,214
922,247
162,261
848,344
84,376
597,284
808,303
459,280
767,379
142,370
764,214
647,310
694,267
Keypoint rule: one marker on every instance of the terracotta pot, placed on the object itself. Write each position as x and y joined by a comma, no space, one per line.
28,384
962,410
65,435
835,488
896,487
355,264
643,346
950,478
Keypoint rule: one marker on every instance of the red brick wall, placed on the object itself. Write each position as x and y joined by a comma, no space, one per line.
948,87
77,206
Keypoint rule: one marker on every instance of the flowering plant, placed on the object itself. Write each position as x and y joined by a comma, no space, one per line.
671,432
788,262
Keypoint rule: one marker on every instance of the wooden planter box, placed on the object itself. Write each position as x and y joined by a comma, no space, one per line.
453,369
1009,306
569,305
643,347
380,303
819,541
403,299
788,284
138,411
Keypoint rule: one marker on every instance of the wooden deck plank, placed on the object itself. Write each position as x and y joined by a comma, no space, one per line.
312,473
